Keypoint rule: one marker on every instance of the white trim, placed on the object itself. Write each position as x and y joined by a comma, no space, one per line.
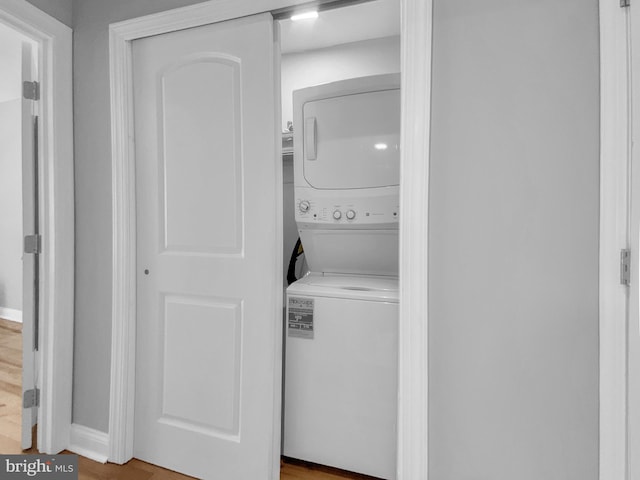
192,16
413,382
277,285
633,307
123,195
614,154
11,314
89,443
123,341
57,227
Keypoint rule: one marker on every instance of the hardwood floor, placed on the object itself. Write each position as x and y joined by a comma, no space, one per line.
10,422
10,386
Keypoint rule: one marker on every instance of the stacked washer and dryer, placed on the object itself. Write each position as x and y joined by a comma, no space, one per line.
340,401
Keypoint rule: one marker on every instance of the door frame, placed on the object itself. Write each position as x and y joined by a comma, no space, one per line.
633,195
55,359
416,28
614,178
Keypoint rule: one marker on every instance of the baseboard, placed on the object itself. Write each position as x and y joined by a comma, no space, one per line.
89,443
11,314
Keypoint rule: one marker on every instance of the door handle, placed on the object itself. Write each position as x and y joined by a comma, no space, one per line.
310,138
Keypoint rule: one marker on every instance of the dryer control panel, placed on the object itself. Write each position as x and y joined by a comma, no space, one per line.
314,208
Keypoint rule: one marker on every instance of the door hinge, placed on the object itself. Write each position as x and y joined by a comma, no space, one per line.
31,398
32,244
625,266
625,3
31,90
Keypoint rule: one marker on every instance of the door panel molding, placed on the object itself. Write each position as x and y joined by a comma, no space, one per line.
55,364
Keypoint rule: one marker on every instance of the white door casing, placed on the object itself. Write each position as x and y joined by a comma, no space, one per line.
30,263
633,238
614,151
55,363
206,188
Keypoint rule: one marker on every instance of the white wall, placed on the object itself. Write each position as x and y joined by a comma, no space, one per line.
10,174
315,67
10,206
10,63
513,241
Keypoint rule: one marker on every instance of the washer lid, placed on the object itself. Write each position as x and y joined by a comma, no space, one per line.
362,287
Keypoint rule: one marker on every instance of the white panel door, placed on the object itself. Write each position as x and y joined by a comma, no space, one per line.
30,277
206,249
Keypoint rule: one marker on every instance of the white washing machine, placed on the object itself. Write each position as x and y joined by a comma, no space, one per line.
341,372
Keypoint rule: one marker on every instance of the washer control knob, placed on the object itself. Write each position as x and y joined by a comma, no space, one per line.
337,214
304,206
351,214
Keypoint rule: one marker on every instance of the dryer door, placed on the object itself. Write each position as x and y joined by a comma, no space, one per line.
352,141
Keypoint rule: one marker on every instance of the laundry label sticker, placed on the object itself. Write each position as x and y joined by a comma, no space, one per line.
300,317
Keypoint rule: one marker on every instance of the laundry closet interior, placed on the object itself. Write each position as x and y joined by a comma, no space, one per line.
340,92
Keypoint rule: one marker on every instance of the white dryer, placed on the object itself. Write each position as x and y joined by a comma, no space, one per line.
341,372
347,174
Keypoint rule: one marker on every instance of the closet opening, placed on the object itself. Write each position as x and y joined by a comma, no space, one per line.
340,95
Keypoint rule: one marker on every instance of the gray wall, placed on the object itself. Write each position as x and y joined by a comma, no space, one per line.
60,9
11,203
514,218
92,132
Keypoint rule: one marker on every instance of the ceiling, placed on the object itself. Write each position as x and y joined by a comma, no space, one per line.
364,21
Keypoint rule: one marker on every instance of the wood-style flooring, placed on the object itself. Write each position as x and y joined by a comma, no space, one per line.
10,422
10,386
